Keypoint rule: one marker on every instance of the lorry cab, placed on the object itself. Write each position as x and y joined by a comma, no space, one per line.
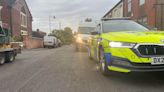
5,35
7,51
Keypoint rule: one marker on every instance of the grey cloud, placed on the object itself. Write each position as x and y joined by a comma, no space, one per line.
67,11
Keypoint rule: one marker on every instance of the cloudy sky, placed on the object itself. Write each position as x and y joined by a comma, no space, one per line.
68,12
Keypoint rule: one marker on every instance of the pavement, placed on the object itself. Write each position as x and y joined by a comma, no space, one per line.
65,70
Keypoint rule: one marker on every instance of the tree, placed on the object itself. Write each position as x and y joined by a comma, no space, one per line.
65,35
68,35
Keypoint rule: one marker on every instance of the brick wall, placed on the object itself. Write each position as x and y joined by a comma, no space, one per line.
16,22
138,12
5,14
33,43
150,12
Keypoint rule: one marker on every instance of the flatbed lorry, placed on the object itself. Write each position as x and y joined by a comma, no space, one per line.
7,51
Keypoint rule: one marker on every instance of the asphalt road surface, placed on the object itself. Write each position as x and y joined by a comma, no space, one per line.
65,70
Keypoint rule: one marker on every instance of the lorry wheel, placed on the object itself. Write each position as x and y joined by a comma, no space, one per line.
10,57
2,59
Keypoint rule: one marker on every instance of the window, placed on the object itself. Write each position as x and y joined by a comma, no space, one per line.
110,15
121,6
143,20
23,20
141,2
129,5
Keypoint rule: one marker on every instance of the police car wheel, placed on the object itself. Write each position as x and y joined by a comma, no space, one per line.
103,66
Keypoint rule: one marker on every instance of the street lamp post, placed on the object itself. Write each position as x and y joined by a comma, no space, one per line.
59,25
50,22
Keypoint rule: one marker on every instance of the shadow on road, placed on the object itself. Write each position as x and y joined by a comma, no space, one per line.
139,79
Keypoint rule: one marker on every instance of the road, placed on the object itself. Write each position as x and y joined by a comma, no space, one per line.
65,70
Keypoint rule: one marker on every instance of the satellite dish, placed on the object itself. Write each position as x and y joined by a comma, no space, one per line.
88,20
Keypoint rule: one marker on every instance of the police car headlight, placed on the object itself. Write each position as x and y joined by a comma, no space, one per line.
121,45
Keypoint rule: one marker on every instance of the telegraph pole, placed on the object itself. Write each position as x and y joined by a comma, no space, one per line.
50,22
59,25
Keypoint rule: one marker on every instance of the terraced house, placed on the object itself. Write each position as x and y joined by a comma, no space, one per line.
150,12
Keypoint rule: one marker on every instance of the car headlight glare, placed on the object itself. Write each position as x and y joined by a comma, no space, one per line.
79,39
121,45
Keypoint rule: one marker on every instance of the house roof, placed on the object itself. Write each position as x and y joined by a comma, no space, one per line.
10,3
28,8
38,34
112,8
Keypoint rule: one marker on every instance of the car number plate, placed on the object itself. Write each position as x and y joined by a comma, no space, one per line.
157,61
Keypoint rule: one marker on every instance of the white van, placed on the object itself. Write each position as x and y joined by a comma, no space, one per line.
50,41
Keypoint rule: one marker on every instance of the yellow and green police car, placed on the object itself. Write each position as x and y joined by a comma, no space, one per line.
123,45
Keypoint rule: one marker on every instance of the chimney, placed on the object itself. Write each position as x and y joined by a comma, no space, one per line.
37,30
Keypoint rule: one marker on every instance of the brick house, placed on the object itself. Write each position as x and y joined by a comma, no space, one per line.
150,12
17,16
116,11
38,34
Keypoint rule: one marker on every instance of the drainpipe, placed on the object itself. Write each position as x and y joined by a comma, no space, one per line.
0,15
161,17
11,20
10,4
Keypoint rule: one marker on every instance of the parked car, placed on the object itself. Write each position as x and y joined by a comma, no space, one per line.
123,45
50,42
84,30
